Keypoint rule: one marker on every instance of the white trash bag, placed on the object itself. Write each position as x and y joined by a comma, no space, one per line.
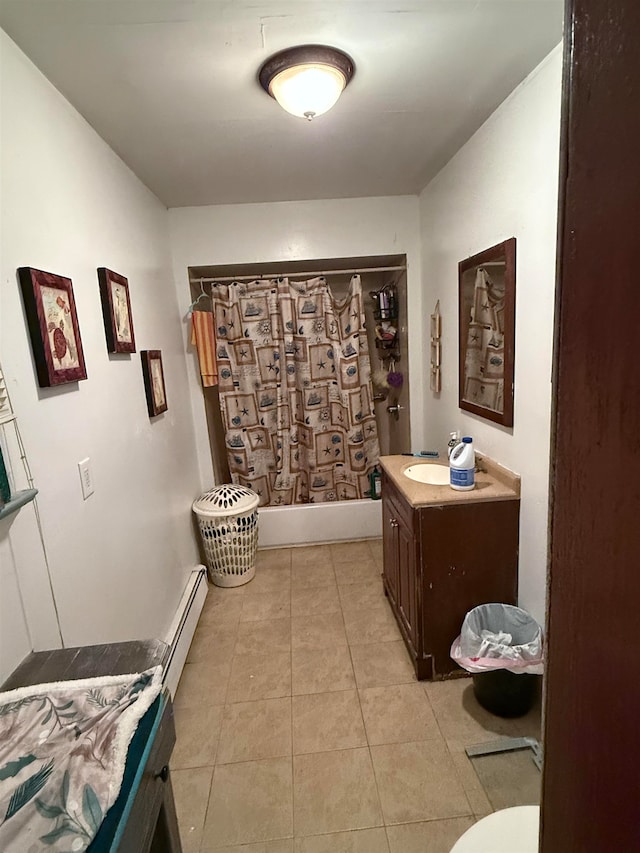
499,636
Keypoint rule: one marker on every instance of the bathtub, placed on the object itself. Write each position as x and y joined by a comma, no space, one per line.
307,524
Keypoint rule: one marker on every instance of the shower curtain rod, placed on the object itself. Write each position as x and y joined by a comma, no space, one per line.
221,280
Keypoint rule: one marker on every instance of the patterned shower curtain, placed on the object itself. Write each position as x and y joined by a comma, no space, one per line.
484,359
295,390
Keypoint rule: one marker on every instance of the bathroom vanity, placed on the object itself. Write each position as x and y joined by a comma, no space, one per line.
445,552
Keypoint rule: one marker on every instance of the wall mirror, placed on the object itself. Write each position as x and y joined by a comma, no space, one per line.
486,330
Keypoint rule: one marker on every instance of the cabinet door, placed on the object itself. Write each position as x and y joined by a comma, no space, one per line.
469,557
390,546
407,581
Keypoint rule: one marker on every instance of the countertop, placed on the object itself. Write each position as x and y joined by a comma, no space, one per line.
495,483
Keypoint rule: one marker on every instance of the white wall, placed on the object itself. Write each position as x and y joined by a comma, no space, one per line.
119,560
299,230
503,183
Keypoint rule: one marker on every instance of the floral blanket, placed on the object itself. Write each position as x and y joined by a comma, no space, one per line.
63,749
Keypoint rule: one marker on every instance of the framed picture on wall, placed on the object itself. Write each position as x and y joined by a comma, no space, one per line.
53,327
154,381
486,332
116,311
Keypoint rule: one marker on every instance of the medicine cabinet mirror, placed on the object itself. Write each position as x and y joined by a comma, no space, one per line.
487,298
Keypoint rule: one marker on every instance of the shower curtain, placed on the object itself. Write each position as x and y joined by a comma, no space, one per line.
295,390
484,359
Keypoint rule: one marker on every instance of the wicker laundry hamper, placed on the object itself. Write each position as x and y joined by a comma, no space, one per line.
228,520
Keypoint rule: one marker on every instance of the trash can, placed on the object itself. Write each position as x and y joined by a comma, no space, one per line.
501,645
228,521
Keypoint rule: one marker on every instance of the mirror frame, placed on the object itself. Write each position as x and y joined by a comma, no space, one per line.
502,251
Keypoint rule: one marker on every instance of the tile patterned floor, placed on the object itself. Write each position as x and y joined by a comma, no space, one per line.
302,729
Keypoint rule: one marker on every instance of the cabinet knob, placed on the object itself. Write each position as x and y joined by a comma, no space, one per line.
393,522
163,774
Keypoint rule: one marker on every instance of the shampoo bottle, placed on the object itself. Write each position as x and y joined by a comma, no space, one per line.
462,466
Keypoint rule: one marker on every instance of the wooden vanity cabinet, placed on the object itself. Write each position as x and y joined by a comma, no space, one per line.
440,561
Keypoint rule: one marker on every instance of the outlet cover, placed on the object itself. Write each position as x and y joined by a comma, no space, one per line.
86,480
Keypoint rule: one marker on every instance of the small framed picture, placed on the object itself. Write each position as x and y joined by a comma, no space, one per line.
154,381
116,311
53,327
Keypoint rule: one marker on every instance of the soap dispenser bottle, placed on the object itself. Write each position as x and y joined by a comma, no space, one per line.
454,438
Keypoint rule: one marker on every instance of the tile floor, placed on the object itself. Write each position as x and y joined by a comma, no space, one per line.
301,727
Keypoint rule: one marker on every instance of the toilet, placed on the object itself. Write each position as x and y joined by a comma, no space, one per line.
512,830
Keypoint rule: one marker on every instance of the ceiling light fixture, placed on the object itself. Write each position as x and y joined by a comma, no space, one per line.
307,80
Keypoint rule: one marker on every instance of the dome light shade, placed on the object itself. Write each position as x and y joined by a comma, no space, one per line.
308,80
307,90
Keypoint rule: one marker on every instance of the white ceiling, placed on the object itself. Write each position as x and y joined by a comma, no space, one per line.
172,87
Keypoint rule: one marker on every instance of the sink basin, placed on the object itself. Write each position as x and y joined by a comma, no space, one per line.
432,474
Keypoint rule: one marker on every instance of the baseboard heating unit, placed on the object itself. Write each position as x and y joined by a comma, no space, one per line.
183,627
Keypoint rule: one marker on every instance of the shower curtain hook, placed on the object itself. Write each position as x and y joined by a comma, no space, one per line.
202,293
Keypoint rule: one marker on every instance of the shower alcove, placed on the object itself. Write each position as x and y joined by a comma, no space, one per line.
327,521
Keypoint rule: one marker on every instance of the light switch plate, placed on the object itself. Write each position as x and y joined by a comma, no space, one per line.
86,480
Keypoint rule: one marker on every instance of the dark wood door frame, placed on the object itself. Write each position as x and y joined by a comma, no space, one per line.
591,778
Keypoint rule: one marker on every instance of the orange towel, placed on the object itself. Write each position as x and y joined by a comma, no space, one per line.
203,337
